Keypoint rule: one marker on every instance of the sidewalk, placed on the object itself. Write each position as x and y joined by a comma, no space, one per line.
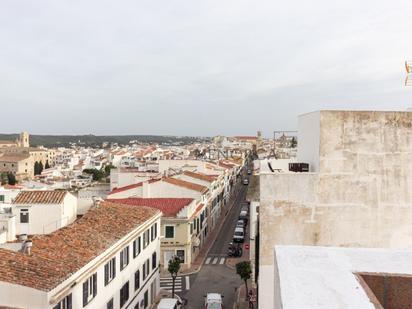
198,262
240,301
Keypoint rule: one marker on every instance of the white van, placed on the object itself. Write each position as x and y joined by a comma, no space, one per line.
169,303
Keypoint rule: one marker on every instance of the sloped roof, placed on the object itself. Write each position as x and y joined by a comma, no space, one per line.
186,184
40,197
169,206
132,186
204,177
57,256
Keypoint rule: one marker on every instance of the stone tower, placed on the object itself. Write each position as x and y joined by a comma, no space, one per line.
24,140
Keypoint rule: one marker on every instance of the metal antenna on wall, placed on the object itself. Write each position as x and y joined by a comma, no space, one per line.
408,67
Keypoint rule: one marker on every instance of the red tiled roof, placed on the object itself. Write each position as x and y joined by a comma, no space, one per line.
56,256
40,197
245,137
133,186
208,178
226,165
169,206
185,184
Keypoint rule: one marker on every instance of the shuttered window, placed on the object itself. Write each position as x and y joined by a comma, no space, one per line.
89,289
137,246
110,271
124,294
124,258
137,280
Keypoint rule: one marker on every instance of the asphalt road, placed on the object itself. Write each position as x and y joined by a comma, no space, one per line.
218,278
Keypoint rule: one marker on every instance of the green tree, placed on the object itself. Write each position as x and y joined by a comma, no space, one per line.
107,169
40,167
97,174
11,179
3,178
47,165
293,142
244,270
36,168
173,268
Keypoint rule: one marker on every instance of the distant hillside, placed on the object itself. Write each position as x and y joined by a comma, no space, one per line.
97,141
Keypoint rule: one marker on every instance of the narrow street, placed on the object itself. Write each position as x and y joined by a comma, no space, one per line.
215,276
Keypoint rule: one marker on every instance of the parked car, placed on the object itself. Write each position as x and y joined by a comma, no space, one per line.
245,181
213,301
240,223
249,172
243,216
239,235
169,303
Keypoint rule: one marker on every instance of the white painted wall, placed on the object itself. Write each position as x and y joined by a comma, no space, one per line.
309,139
24,297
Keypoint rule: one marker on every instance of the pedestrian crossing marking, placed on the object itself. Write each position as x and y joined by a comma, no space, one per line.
215,260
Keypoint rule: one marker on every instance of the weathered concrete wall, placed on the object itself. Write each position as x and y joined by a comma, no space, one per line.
361,197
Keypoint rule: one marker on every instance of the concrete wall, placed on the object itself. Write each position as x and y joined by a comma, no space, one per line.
361,197
309,139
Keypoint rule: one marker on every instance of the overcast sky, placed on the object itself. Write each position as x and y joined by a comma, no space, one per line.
197,67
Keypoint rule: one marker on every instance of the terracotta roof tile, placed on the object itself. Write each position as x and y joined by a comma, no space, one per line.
40,197
185,184
169,206
208,178
132,186
56,256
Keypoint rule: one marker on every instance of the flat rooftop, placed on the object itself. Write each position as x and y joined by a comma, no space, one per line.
330,277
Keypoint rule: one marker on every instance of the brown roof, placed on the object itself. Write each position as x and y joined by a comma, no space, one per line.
57,256
169,206
14,157
185,184
208,178
40,197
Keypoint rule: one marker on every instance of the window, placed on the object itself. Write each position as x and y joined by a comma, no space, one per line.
89,289
136,306
124,294
1,198
146,238
152,233
146,299
169,231
137,247
24,216
65,303
109,271
137,280
146,269
154,261
124,258
110,304
181,255
155,230
191,228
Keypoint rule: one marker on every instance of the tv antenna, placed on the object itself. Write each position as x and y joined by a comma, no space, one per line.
408,67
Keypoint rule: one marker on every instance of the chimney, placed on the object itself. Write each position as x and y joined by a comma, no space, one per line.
146,189
28,245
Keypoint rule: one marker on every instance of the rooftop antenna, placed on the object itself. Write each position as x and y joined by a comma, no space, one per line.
408,67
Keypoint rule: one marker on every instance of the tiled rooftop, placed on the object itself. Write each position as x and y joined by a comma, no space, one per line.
40,197
186,184
132,186
56,256
208,178
169,206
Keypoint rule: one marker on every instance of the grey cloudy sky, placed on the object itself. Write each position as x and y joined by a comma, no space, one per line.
197,67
